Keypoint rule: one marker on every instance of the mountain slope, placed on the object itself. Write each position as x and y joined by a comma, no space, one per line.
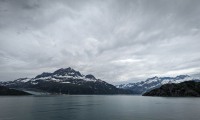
66,81
7,91
187,88
152,83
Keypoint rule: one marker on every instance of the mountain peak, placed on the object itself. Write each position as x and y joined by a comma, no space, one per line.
67,71
181,76
44,74
61,72
89,76
152,78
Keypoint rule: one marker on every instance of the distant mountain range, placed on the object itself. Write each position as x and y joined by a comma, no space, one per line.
187,88
154,82
70,81
65,81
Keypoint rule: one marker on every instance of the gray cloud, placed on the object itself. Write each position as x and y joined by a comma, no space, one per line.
114,40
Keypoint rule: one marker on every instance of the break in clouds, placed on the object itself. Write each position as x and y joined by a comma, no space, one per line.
116,40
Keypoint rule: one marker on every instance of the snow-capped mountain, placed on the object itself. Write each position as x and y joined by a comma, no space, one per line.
154,82
67,75
66,81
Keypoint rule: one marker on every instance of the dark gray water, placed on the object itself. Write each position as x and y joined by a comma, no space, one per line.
94,107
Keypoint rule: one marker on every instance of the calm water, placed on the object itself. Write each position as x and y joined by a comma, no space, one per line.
86,107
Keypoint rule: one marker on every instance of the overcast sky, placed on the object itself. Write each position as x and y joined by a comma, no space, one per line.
115,40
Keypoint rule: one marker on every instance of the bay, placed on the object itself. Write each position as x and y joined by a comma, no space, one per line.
98,107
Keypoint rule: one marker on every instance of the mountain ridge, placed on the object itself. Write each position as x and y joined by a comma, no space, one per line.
154,82
66,81
183,89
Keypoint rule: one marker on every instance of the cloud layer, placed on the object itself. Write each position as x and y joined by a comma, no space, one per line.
114,40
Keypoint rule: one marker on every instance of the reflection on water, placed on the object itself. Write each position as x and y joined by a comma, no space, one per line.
99,107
